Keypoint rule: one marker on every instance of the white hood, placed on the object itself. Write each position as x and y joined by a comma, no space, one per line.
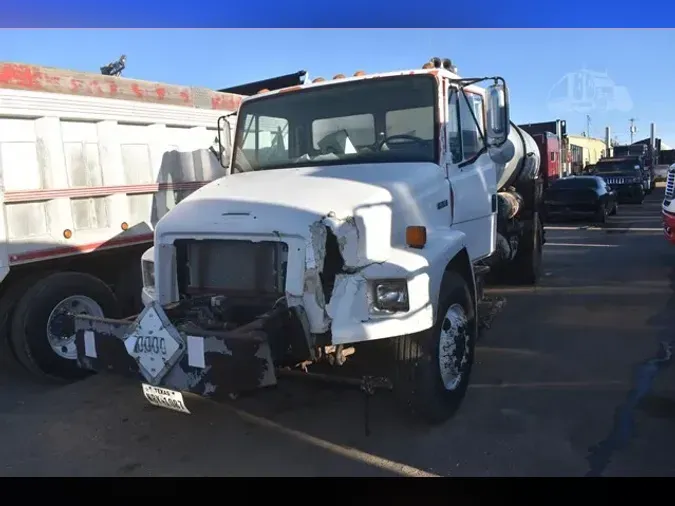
289,201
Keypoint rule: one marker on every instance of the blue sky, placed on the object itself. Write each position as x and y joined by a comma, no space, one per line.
532,61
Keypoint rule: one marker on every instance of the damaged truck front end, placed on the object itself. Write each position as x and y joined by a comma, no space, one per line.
229,313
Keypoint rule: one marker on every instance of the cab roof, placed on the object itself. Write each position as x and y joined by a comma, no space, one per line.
438,73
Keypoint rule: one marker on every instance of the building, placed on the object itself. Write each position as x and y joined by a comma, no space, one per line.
584,151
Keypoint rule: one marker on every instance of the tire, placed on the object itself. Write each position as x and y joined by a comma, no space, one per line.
600,215
526,266
615,209
8,303
129,287
420,363
29,336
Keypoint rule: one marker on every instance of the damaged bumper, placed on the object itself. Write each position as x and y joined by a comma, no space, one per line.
180,357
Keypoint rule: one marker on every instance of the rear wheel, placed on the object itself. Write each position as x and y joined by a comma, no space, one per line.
43,337
526,266
600,215
8,303
432,368
615,209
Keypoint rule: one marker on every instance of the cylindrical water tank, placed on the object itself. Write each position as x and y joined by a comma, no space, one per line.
520,165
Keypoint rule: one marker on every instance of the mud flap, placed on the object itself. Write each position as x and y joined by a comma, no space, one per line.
152,350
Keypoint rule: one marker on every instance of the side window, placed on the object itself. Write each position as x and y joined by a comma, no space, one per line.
465,126
553,156
453,131
471,121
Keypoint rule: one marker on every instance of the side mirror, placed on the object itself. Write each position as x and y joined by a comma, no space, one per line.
224,140
498,120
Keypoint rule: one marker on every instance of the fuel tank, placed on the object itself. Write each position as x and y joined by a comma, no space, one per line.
524,163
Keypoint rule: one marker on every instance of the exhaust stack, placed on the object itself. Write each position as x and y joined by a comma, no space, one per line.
608,142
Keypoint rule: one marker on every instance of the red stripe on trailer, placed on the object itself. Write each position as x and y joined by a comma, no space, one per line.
20,196
62,251
51,80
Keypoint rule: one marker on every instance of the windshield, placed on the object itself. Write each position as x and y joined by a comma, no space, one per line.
369,121
575,183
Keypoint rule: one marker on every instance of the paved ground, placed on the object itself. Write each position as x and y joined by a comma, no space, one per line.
563,386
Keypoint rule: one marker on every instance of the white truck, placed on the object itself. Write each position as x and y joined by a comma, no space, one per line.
88,165
358,219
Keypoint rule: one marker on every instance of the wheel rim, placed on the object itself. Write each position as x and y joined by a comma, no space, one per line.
59,325
453,352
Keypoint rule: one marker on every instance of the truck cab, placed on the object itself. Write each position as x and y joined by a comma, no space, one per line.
356,210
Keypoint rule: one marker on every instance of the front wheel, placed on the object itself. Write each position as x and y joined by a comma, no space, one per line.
43,337
432,368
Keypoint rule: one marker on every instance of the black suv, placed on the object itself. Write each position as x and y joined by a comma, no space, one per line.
625,176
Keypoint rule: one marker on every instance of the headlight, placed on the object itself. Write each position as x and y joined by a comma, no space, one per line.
391,295
148,270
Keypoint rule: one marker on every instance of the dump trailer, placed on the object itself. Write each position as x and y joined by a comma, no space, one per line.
358,220
90,163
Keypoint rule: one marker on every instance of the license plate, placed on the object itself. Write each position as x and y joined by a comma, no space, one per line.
165,398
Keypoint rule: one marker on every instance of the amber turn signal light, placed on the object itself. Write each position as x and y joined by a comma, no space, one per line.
416,236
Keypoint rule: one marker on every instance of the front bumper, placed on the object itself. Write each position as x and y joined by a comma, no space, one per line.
629,192
151,349
570,210
668,222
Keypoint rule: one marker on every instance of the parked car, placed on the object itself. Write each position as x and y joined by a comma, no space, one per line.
580,197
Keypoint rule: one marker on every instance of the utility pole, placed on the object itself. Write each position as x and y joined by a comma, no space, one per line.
588,125
632,129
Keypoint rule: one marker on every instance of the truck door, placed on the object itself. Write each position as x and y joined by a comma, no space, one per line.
472,175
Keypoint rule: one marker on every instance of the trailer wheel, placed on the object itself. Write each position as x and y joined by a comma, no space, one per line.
526,267
38,322
432,368
8,303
